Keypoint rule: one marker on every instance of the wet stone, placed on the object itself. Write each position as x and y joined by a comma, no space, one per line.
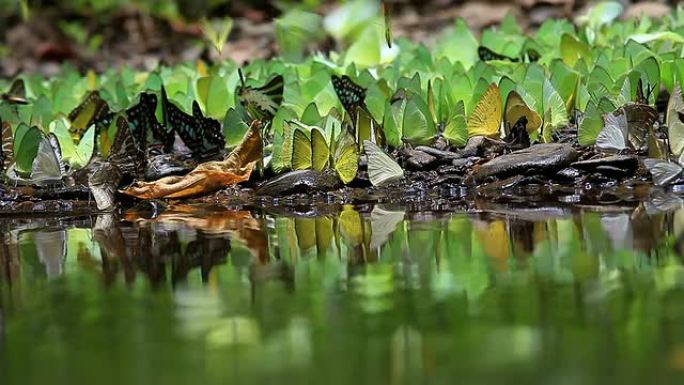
625,162
419,160
301,181
537,159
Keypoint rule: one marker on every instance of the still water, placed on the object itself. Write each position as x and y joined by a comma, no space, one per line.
363,295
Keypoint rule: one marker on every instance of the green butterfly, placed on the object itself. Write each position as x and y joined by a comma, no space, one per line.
262,103
93,110
16,93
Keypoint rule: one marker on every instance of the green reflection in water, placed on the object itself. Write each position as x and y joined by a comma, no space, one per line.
378,296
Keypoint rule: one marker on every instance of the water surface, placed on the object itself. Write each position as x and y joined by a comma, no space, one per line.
364,295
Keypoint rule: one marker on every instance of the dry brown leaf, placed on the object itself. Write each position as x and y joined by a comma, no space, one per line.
207,177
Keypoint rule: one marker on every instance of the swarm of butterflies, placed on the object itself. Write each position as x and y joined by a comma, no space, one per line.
128,139
92,133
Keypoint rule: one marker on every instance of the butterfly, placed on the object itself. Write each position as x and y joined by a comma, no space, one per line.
6,146
16,93
144,125
262,103
613,136
350,94
641,96
487,54
92,110
663,172
308,153
346,157
486,117
125,153
382,169
48,168
515,109
202,135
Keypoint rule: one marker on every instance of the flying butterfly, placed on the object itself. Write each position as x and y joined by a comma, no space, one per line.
92,110
382,169
262,103
16,93
144,125
125,153
487,54
350,94
308,153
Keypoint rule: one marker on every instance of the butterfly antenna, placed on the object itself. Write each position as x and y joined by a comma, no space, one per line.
242,77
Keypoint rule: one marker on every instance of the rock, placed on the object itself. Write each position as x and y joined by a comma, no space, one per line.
568,173
464,162
624,162
301,181
537,159
419,160
438,153
474,147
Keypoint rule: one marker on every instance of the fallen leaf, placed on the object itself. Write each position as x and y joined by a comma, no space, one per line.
207,177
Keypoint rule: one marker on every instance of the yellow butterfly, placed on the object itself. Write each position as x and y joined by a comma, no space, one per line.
310,153
515,109
485,120
346,157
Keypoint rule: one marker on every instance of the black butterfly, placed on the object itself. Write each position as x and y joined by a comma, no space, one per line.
16,93
519,137
144,125
350,94
262,103
641,96
93,110
125,153
202,135
487,54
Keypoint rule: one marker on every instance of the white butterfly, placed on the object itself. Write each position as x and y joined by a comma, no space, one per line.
663,172
381,168
47,167
613,136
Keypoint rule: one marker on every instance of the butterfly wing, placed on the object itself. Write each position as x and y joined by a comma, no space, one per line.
125,153
17,93
47,167
7,148
663,172
382,168
351,95
613,136
144,125
346,157
487,54
485,119
319,150
517,108
301,151
211,137
262,103
93,110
